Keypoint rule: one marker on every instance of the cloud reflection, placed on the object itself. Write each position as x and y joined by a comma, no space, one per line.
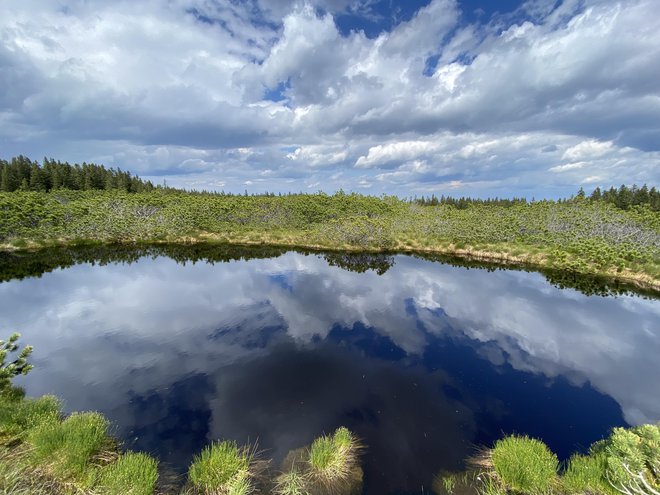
423,361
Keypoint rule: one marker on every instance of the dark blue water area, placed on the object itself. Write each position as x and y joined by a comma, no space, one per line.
424,361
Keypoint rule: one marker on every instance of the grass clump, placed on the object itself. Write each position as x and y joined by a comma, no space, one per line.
524,465
222,468
331,458
292,483
68,448
332,463
131,474
586,475
17,417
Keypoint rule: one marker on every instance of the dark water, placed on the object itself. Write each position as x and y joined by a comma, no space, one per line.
423,360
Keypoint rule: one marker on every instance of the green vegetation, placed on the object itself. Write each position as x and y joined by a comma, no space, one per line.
222,468
524,465
579,236
19,366
69,447
19,416
131,474
331,458
632,459
627,463
22,174
624,197
584,474
291,483
330,465
614,233
43,452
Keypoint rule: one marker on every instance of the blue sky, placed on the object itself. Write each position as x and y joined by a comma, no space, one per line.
472,97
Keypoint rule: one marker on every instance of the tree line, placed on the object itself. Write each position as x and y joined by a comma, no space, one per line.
22,174
463,202
625,197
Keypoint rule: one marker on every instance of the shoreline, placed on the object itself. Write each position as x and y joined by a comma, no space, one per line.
535,261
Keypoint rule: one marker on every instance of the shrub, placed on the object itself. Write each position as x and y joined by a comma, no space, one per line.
633,458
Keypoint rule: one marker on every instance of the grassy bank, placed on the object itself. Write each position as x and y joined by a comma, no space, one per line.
580,236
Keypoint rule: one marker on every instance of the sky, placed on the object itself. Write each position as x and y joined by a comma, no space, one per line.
410,97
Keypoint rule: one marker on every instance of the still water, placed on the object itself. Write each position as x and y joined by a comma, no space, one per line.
425,361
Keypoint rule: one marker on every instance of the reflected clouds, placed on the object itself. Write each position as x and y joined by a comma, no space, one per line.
422,361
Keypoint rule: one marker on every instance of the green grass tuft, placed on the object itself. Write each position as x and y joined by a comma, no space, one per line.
343,439
291,483
586,474
68,447
325,459
222,468
131,474
524,465
332,461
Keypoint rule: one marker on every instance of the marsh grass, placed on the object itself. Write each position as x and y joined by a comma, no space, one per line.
292,483
586,475
333,462
70,448
524,465
18,416
223,468
450,483
19,478
131,474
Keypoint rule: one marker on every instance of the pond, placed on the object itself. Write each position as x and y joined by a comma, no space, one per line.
425,361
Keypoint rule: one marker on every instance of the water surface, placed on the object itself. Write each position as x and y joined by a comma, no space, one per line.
423,360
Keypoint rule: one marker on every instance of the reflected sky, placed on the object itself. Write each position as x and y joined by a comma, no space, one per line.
424,362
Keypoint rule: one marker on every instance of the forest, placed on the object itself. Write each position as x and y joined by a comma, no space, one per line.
615,233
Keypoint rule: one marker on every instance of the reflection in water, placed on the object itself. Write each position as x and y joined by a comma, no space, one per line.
424,361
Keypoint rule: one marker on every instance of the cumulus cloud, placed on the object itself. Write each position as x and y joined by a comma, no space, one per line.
95,79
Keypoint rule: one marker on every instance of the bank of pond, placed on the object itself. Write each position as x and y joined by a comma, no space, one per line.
581,236
44,452
24,263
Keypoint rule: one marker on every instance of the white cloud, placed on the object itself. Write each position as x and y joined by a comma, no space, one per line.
82,80
587,149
